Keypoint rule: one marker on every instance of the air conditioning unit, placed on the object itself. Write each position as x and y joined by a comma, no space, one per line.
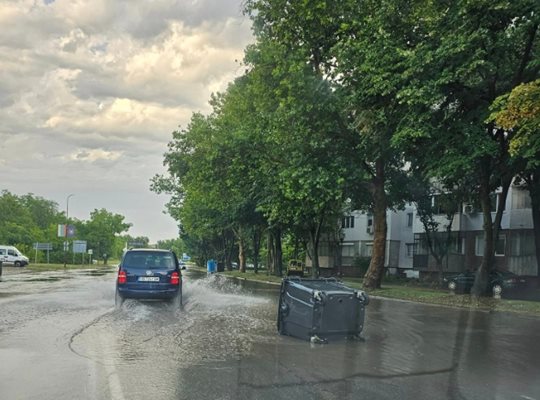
468,209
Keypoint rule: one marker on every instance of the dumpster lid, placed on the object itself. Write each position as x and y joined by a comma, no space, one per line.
321,284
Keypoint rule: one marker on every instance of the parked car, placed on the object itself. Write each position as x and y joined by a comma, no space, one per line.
295,267
149,274
498,282
10,255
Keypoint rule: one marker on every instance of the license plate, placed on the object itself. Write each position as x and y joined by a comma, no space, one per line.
149,279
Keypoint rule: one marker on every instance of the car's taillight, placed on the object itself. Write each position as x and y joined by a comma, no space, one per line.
122,277
175,278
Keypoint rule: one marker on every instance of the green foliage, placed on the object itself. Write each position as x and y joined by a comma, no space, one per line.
346,101
176,245
26,219
101,231
519,112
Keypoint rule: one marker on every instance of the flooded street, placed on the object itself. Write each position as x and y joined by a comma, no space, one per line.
62,338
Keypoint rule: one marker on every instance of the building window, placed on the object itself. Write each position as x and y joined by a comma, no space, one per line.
410,249
409,219
500,245
479,245
457,246
347,222
366,249
347,250
324,250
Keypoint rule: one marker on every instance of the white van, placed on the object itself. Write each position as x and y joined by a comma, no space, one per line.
10,255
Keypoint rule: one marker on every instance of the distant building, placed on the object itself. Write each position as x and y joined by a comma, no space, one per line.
406,248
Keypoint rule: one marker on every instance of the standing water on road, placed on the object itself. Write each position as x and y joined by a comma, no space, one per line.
63,339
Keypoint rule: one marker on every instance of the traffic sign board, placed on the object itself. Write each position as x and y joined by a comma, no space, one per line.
79,246
43,246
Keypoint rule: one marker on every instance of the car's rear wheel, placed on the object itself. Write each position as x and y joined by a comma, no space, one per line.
118,300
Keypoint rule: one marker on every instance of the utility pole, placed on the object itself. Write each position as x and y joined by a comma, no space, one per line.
66,229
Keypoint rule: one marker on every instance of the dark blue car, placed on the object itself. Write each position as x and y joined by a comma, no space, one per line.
149,274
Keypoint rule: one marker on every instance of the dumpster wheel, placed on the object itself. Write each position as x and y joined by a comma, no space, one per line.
317,340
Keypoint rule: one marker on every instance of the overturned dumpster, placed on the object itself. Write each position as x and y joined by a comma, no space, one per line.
320,309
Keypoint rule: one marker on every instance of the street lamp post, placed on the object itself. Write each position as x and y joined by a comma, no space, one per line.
66,229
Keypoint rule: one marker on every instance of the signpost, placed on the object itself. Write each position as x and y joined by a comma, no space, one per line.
42,246
79,247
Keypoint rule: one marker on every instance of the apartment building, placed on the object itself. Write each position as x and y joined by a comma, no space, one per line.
407,252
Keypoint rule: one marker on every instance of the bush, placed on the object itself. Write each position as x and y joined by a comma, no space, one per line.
362,263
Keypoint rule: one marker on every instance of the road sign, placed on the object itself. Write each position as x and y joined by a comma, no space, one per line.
79,246
43,246
90,251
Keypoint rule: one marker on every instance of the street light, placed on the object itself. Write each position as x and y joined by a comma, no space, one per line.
66,229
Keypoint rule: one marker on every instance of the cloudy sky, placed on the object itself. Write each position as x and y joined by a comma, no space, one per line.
91,90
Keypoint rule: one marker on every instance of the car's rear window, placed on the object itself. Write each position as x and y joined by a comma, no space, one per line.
149,260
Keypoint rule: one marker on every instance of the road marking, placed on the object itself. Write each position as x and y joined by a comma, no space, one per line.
113,380
527,397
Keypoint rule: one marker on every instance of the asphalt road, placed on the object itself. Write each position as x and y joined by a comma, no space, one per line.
62,338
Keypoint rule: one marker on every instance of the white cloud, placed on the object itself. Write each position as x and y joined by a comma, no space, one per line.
94,155
97,87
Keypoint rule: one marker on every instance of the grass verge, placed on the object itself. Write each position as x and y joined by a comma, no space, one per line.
261,276
60,267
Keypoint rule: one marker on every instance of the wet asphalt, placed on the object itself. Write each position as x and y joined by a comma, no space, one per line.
62,338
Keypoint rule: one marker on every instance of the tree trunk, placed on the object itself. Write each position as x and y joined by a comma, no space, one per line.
446,247
275,253
374,274
491,232
278,253
314,255
481,278
241,251
228,248
315,236
256,248
270,252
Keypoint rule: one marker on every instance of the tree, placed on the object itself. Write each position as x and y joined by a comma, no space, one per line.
351,47
518,112
20,221
101,232
177,245
470,53
436,208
